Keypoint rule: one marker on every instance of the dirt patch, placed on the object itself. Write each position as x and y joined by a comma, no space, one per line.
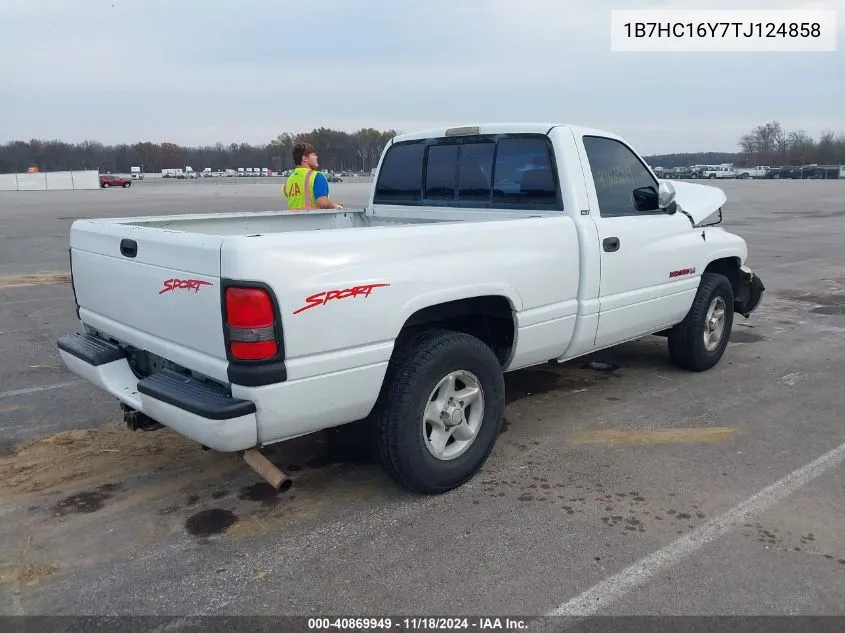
25,571
35,279
56,462
34,573
246,528
701,435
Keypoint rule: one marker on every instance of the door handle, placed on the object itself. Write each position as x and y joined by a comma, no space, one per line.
611,244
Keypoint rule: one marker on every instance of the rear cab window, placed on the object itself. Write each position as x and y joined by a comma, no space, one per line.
496,172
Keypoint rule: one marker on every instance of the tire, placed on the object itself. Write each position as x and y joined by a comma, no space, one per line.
126,185
105,185
417,372
687,346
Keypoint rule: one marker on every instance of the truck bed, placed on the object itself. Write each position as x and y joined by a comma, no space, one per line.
269,222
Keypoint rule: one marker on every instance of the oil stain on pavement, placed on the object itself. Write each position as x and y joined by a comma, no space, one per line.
210,522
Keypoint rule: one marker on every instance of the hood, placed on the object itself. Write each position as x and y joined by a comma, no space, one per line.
698,201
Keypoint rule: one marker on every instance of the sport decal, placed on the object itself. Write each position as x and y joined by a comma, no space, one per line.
681,272
183,284
322,298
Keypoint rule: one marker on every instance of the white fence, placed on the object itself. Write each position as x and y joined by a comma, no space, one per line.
51,181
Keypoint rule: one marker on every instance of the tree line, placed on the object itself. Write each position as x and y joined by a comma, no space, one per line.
767,144
338,151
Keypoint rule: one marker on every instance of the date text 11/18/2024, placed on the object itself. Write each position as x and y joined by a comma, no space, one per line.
418,624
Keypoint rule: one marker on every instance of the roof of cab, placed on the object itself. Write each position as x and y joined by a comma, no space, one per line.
501,128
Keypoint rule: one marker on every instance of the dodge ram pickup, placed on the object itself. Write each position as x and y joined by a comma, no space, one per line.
481,250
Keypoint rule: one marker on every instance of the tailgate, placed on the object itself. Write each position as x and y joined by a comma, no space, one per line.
153,289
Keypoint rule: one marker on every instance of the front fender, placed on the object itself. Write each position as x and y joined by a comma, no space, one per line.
750,293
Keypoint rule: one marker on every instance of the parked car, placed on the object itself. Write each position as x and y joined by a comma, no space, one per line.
110,180
244,330
678,172
753,172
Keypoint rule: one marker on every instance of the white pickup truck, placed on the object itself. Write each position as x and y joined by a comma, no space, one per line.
482,250
753,172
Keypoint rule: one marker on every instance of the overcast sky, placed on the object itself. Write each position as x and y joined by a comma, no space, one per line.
202,71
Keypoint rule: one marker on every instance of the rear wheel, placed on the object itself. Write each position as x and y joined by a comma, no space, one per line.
105,185
440,411
699,341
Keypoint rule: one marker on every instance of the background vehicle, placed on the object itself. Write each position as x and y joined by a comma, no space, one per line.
717,171
110,180
753,172
483,249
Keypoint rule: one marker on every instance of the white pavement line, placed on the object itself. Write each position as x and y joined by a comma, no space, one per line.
21,392
596,598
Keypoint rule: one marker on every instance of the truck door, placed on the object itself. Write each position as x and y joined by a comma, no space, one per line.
648,279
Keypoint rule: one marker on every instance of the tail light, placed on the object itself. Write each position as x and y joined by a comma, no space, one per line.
251,320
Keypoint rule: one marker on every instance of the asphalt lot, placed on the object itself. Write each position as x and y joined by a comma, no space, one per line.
600,496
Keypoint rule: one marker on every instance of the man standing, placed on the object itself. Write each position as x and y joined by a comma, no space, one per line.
307,188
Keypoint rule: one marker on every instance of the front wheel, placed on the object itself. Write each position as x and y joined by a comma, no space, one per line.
126,185
440,411
698,342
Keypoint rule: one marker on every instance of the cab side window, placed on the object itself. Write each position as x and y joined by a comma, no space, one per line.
623,184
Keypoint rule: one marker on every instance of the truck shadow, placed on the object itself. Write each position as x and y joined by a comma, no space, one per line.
350,446
626,360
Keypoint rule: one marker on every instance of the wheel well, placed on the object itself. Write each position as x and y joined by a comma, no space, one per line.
489,318
729,267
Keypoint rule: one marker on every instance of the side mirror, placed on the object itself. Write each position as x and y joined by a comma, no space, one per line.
666,197
646,199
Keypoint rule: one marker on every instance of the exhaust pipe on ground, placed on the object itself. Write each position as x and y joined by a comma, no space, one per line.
268,471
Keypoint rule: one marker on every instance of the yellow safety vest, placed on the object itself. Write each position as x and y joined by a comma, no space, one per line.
299,189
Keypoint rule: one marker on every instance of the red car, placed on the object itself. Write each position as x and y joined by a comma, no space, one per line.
107,180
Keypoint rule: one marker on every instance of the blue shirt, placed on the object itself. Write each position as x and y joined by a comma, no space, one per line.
321,186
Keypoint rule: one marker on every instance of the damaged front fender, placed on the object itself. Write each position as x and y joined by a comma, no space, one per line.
750,292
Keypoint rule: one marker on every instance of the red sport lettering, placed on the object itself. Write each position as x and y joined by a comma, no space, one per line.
322,298
682,272
183,284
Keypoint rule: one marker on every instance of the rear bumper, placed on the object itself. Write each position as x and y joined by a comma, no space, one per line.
194,408
750,293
